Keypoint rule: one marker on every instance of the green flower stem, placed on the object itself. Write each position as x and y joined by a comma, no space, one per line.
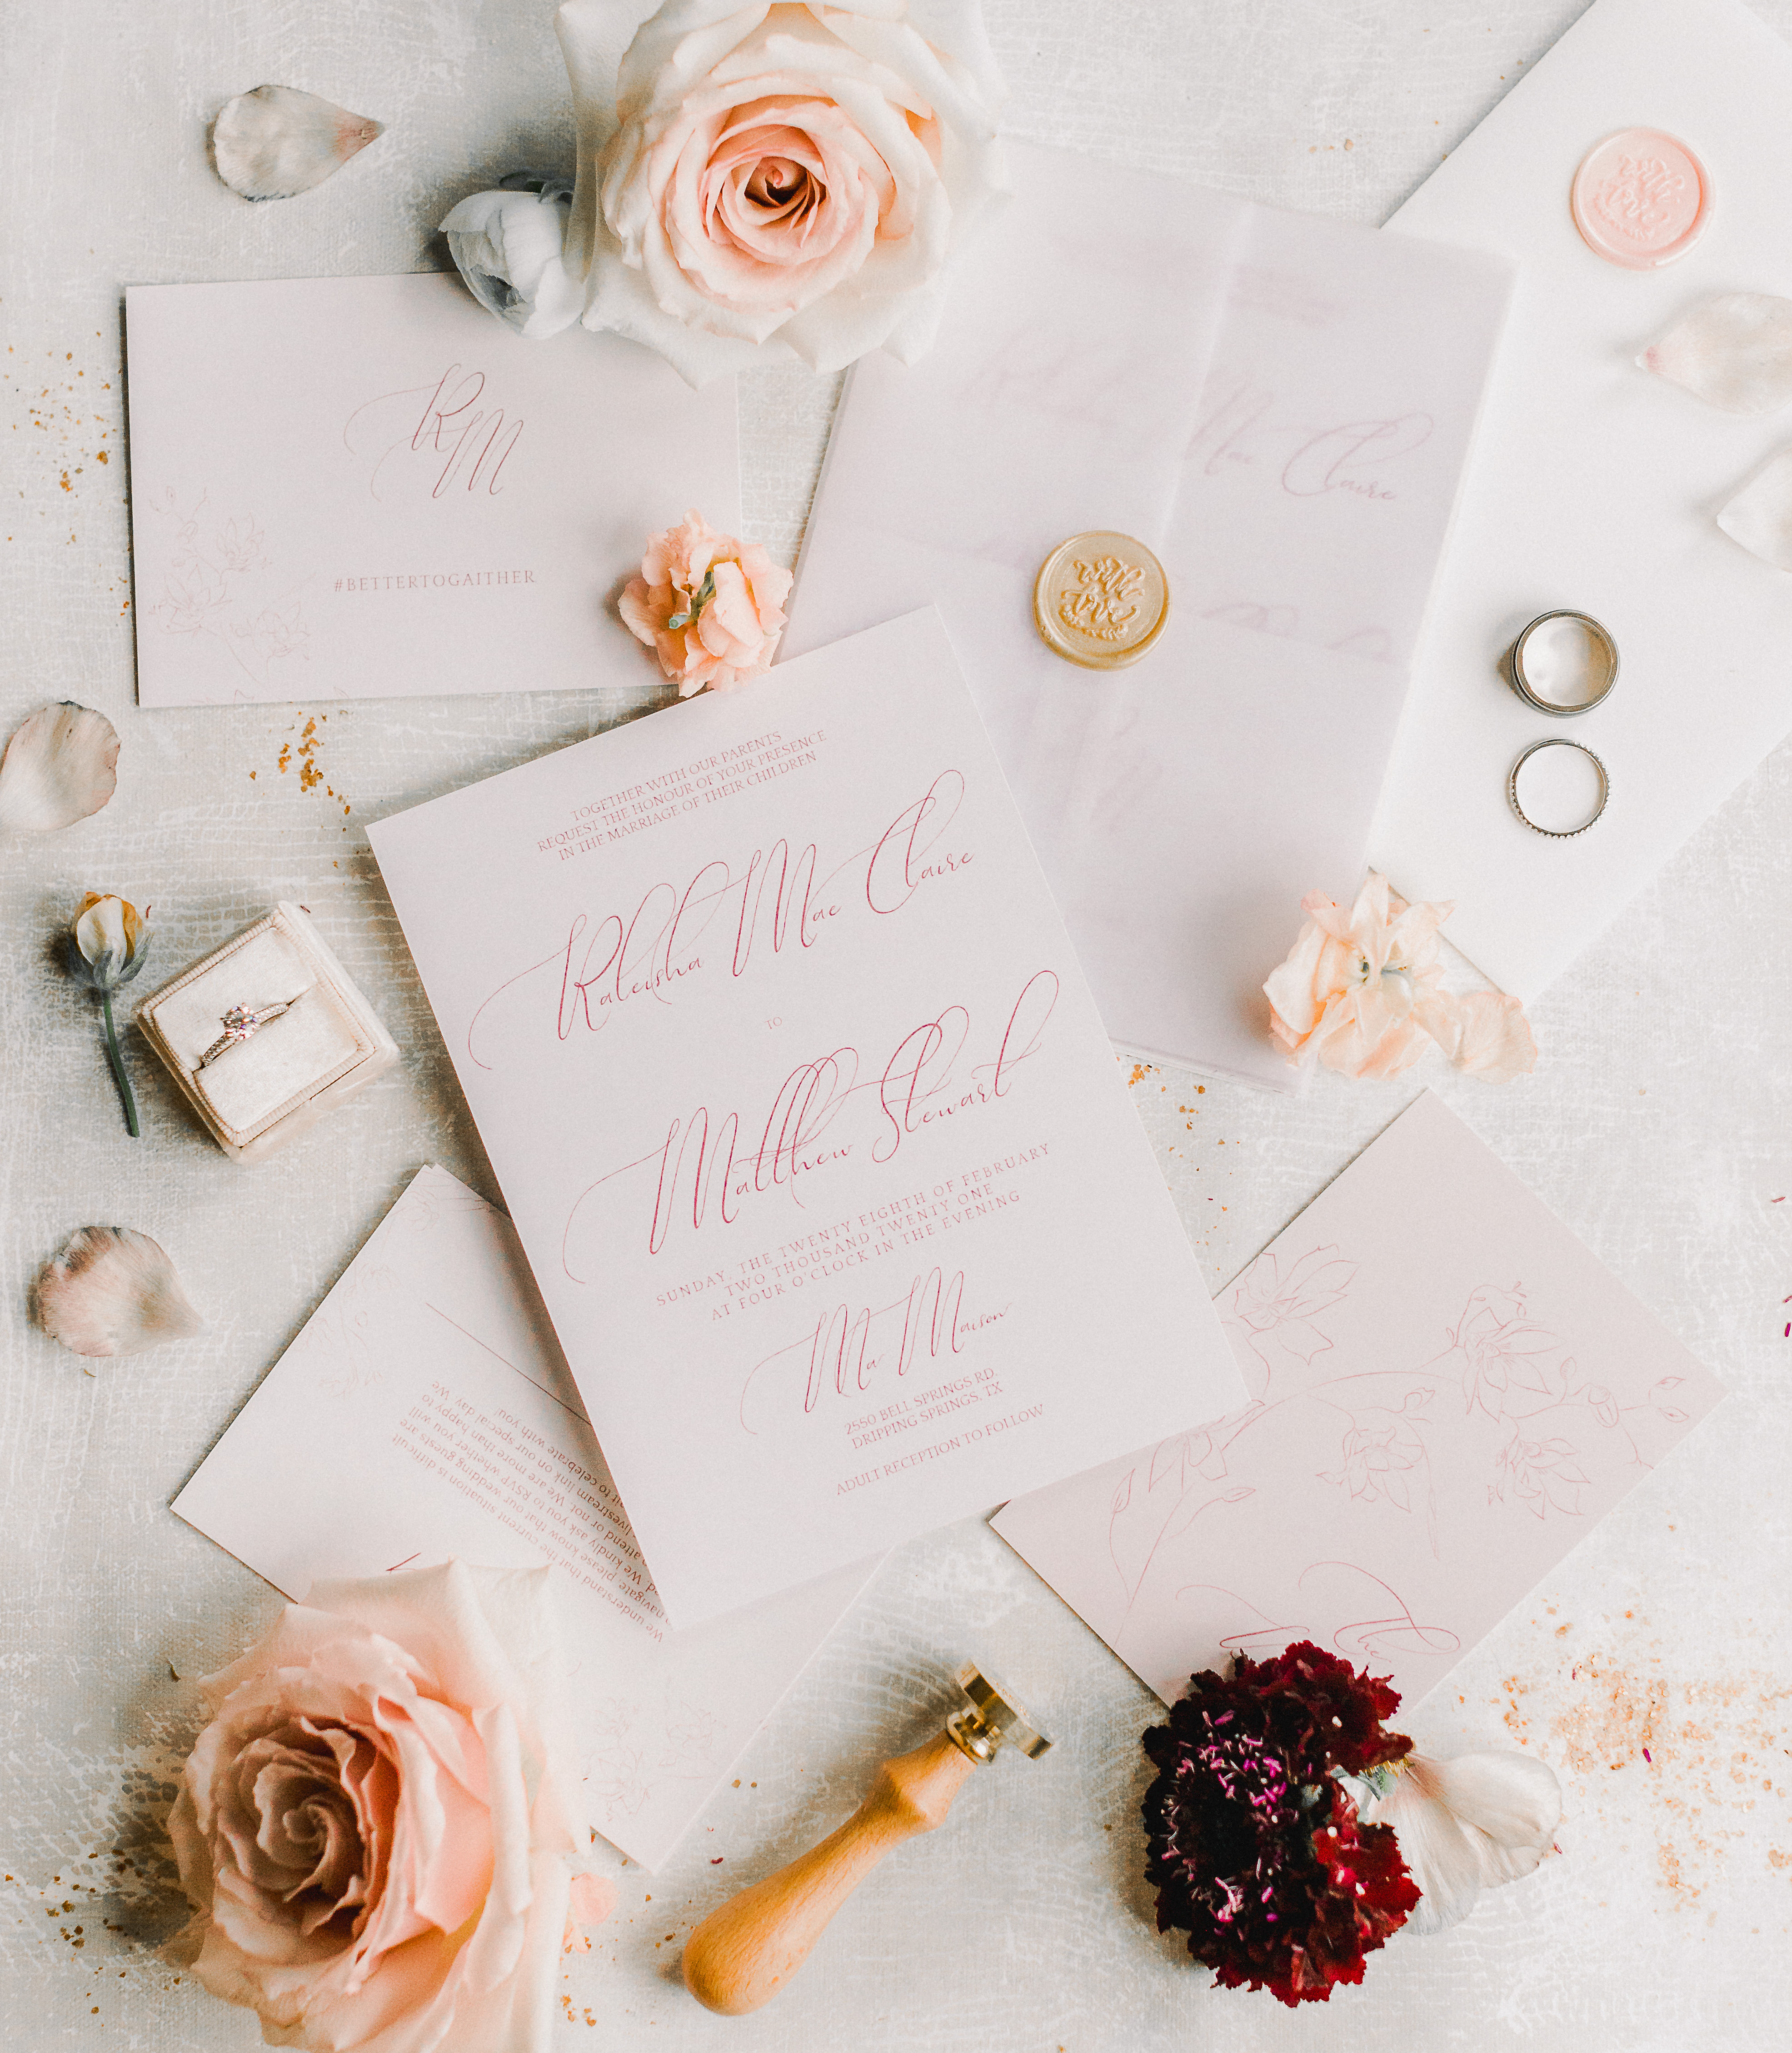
705,593
115,1058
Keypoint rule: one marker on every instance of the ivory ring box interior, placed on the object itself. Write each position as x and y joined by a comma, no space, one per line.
368,487
266,1088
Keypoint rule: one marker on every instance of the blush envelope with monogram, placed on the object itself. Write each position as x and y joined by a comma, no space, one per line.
375,491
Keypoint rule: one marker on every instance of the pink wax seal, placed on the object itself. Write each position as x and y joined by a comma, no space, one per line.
1641,199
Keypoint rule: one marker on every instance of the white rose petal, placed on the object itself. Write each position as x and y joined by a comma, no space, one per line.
62,766
110,1290
1734,351
1760,516
276,141
1466,1825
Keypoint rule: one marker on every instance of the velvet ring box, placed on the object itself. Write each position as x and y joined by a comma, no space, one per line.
271,1086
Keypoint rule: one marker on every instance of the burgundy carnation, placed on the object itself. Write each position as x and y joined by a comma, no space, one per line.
1255,1846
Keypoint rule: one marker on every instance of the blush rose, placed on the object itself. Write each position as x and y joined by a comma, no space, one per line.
376,1826
711,606
758,183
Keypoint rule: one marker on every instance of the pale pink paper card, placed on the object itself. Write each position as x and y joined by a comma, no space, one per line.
424,1412
1447,1392
368,487
806,1118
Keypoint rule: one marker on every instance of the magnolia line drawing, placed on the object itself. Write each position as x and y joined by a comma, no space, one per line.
639,1748
208,588
1501,1410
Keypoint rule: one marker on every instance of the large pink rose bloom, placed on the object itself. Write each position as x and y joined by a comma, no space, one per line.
376,1826
713,607
784,181
1362,992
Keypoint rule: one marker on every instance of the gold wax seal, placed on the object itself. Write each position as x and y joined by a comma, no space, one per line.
1101,600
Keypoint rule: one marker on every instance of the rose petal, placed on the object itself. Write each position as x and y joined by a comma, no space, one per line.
109,1291
276,141
640,615
1466,1825
1734,351
1485,1033
592,1898
1759,517
101,935
1294,989
62,766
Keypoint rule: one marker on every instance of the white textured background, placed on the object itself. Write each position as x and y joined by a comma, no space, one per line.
1656,1126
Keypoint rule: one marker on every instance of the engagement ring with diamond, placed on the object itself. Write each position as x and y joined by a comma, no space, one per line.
241,1023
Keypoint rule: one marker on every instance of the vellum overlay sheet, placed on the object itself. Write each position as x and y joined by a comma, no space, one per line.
805,1117
1281,407
425,1412
1447,1390
367,487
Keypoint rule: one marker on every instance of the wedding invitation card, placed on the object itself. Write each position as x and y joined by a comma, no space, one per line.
368,487
1281,408
1447,1390
424,1413
805,1117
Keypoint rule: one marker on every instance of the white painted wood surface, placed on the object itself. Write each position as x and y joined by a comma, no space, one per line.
1657,1126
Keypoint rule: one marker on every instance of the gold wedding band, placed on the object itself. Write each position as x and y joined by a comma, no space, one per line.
1602,678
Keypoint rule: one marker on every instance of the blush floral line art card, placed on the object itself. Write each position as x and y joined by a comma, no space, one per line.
425,1412
366,487
1281,407
1447,1390
805,1117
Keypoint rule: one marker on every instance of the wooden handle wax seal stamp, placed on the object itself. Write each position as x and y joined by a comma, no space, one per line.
743,1954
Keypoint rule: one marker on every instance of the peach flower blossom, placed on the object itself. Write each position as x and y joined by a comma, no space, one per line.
712,606
376,1825
1362,992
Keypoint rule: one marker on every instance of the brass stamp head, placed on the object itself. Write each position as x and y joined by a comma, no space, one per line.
995,1719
